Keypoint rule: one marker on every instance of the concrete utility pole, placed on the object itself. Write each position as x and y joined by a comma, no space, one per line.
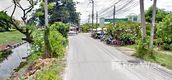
153,24
92,1
89,18
143,24
46,13
46,33
114,12
96,20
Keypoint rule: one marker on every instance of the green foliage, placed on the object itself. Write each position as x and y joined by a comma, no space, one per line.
143,51
161,13
62,10
38,41
4,55
167,47
4,21
165,29
86,27
51,73
126,32
60,27
57,42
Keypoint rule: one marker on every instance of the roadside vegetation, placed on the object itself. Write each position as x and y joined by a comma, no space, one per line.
130,34
48,44
10,37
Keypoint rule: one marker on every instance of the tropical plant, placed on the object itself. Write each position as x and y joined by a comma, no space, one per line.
164,30
60,27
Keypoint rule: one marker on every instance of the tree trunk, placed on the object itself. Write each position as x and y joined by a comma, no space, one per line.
143,25
28,38
153,24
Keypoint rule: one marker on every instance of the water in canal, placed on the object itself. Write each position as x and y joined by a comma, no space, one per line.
13,61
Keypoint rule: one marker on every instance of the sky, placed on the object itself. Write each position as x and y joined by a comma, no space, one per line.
84,7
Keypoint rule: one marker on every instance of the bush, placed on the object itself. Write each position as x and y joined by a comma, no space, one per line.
143,51
164,33
85,27
126,32
57,41
167,47
60,27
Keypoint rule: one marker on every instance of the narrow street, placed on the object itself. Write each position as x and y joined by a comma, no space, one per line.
90,59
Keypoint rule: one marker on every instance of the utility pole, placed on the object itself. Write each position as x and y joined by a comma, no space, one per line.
92,1
89,18
46,12
47,53
114,12
143,25
153,24
96,20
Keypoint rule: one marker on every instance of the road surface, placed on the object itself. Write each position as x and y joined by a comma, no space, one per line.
90,59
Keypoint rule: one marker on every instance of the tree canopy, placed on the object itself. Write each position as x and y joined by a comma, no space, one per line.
59,10
4,21
160,14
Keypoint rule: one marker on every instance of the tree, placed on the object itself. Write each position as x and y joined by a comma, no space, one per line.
62,11
165,29
4,21
160,14
25,30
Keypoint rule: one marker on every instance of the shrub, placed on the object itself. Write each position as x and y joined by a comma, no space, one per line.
143,51
85,27
57,42
167,47
164,32
126,32
60,27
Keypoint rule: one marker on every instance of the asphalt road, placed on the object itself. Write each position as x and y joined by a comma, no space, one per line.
90,59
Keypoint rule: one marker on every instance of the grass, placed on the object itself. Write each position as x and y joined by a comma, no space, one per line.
50,72
159,57
53,72
10,37
162,59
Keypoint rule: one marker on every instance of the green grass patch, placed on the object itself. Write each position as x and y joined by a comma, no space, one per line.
53,72
10,37
162,59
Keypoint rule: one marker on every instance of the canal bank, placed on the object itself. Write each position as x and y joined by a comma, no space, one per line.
13,61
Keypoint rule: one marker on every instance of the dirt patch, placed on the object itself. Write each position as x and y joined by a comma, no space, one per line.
33,68
125,50
2,47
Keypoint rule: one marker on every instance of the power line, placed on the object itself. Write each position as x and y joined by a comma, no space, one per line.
124,8
8,7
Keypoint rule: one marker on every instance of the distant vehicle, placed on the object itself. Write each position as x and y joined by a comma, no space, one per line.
72,31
